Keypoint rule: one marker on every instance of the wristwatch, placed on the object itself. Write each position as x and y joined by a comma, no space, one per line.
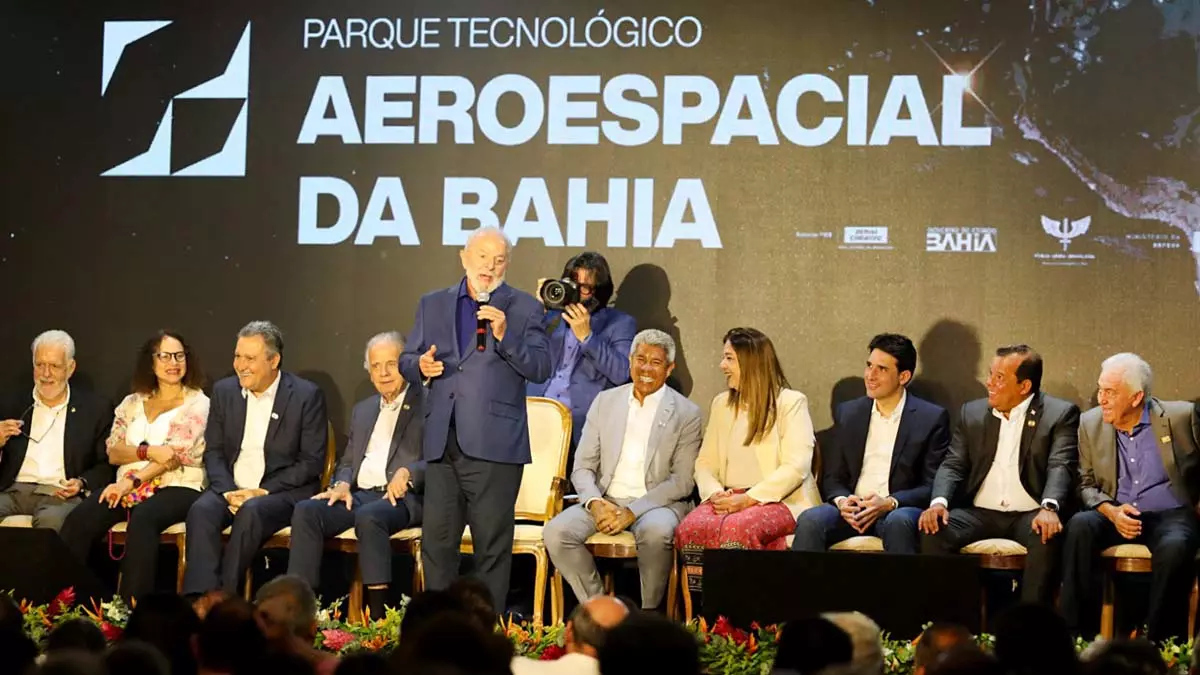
137,482
1050,506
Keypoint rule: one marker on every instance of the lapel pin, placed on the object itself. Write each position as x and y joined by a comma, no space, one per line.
274,416
1165,439
1031,423
72,410
405,406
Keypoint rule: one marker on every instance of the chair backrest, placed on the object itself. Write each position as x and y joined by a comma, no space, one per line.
543,482
330,458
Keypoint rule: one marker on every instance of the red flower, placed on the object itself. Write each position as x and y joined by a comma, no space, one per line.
61,602
336,639
552,653
111,633
722,627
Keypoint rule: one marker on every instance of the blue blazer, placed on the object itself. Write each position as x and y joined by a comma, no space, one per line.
484,392
297,435
405,450
602,363
921,443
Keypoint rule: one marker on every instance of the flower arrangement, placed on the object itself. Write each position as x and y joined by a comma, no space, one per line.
724,648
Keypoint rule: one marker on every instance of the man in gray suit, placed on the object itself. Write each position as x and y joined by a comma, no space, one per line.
1139,465
633,470
1011,467
376,489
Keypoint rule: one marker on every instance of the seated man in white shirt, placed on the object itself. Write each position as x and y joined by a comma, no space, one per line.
633,470
377,484
584,636
1012,464
52,441
266,437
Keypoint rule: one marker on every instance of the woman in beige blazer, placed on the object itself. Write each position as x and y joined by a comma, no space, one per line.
754,471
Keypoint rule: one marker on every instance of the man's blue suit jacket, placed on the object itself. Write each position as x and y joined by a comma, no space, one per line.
482,391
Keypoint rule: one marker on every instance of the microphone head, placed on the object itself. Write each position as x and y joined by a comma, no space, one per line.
482,297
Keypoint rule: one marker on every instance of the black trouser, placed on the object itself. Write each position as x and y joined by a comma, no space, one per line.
91,520
1173,538
488,490
972,524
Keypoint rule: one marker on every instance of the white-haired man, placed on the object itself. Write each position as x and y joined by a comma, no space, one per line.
1139,465
634,470
52,444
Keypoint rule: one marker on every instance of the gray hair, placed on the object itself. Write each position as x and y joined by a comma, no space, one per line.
266,330
386,337
867,655
1135,372
57,338
654,338
300,593
495,231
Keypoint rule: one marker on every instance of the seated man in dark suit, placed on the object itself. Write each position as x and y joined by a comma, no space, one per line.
1011,467
52,441
1139,466
887,448
377,484
267,432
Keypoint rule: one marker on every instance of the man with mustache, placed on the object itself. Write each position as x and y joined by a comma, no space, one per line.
52,447
266,436
475,346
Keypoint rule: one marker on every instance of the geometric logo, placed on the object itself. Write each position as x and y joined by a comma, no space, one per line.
233,84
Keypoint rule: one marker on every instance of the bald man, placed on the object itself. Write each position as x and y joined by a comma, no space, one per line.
586,629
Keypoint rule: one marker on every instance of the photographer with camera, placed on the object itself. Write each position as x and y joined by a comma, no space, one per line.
589,341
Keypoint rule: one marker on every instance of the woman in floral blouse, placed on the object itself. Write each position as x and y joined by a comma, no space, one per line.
157,440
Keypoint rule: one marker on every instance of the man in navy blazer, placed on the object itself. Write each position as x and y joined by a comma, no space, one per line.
887,448
376,489
589,343
475,346
266,438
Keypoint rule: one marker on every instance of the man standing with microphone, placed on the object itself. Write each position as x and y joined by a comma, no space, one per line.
474,346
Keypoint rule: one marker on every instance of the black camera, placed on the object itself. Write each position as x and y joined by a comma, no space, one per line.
558,293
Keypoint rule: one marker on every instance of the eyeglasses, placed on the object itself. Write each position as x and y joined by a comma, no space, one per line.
46,432
167,357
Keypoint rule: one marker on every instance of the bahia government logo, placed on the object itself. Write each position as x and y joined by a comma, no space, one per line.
232,84
960,239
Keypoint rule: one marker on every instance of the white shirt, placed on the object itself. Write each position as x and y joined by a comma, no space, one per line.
1002,489
629,478
568,664
251,463
877,455
44,462
372,473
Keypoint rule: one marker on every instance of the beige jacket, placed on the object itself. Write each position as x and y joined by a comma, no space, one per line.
784,455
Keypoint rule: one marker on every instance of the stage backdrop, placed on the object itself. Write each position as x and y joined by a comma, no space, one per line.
969,173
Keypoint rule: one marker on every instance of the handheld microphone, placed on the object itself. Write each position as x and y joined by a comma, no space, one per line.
481,324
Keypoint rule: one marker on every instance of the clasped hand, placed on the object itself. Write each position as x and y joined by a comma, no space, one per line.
862,512
236,498
726,502
610,518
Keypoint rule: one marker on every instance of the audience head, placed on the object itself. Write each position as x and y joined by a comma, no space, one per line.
648,643
131,657
287,607
812,644
258,355
590,270
168,622
1122,388
453,643
18,649
485,259
10,614
425,607
1032,639
937,640
167,359
966,659
651,361
476,600
364,663
79,634
382,362
1125,657
864,635
591,622
67,662
276,662
754,377
53,364
229,635
891,364
1015,374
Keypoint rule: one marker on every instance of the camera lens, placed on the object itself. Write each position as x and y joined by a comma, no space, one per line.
555,292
